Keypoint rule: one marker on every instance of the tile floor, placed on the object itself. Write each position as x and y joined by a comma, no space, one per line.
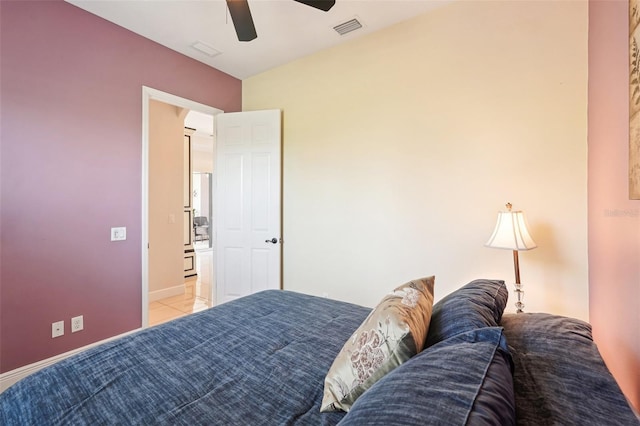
191,301
177,306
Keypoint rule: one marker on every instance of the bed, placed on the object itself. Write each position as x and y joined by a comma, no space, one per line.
264,359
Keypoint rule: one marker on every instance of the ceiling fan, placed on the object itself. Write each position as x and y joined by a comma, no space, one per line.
243,22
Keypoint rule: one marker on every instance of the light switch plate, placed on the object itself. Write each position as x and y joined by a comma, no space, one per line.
119,234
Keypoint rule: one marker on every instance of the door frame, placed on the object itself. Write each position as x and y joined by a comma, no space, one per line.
149,94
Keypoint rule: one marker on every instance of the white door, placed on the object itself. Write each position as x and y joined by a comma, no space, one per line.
247,203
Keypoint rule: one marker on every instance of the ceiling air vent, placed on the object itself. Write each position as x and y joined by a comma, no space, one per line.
205,48
347,27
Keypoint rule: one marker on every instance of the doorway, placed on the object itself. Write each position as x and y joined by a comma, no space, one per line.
202,209
148,95
202,168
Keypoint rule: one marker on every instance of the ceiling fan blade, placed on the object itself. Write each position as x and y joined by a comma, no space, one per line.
242,20
319,4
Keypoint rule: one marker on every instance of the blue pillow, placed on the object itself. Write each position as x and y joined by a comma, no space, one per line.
463,380
476,305
559,375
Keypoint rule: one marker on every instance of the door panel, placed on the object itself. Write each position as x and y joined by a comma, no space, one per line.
260,192
260,267
248,164
230,183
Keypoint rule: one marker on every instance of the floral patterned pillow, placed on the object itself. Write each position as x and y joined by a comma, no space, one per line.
393,332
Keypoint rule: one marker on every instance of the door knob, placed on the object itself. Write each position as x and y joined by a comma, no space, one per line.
272,241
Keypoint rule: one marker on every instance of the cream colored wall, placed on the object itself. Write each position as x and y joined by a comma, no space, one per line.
166,249
401,146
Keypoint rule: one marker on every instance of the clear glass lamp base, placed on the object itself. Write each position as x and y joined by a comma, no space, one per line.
520,295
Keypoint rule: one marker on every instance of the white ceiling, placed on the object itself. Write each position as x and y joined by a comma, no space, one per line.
287,30
203,123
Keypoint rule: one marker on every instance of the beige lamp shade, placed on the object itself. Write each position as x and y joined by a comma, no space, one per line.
511,232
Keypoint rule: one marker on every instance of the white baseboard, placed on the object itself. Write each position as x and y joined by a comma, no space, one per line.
166,292
10,377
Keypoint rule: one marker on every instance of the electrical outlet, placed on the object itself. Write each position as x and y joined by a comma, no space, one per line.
57,329
77,324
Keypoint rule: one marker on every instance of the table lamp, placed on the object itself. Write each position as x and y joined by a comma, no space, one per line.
511,233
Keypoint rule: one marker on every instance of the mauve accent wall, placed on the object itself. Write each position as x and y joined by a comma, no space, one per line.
614,220
71,114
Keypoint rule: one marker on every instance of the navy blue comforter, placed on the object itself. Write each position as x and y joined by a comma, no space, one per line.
259,360
262,360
